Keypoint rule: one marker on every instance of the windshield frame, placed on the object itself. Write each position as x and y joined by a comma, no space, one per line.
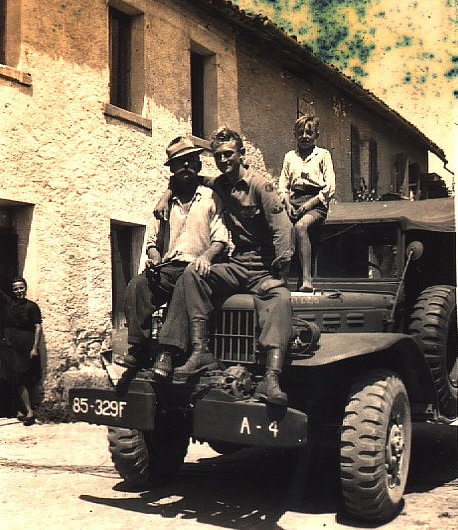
343,228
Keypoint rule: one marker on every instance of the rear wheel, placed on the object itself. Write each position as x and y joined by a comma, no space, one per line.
375,446
433,324
148,457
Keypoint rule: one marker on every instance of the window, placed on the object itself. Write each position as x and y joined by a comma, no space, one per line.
368,170
355,160
126,57
304,105
197,93
399,170
415,191
358,251
10,32
204,105
373,167
120,36
2,31
126,249
364,167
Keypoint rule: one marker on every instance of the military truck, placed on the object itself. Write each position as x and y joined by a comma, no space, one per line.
373,350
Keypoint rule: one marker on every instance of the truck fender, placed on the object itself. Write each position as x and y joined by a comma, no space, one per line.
397,351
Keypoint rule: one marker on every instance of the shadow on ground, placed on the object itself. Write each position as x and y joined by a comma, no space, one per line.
252,489
434,459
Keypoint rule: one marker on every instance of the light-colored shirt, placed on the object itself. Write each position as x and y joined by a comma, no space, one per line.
316,170
189,233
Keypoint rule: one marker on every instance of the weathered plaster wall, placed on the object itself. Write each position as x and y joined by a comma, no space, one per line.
78,168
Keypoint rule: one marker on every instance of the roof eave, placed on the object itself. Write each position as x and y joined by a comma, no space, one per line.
264,28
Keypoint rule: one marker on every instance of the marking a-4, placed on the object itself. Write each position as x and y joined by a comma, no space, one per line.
245,427
100,407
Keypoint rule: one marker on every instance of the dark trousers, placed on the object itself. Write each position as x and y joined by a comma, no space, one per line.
194,298
145,293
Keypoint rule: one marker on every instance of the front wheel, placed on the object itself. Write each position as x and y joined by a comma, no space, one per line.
375,446
148,457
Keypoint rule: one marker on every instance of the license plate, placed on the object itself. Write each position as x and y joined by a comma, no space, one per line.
249,423
102,406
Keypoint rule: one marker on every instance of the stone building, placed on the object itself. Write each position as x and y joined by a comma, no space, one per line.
92,91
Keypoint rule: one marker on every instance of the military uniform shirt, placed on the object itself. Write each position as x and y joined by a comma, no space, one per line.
255,216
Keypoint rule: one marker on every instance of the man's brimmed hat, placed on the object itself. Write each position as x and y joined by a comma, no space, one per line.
181,146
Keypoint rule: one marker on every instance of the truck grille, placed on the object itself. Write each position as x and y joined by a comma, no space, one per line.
234,337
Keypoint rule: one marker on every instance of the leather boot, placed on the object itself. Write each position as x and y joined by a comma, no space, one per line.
201,359
269,390
134,358
163,366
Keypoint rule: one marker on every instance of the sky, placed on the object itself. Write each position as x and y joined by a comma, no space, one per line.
404,51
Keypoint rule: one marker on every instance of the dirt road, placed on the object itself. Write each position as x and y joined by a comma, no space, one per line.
59,476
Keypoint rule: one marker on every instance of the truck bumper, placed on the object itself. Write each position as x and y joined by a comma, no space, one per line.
135,410
246,422
249,423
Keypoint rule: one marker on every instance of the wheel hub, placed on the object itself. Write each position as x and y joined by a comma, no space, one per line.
394,451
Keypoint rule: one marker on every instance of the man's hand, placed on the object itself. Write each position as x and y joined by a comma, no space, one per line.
203,262
154,258
33,353
307,206
269,284
280,269
202,266
289,209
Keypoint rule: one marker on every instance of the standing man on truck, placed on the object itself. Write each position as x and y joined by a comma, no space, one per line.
262,235
193,236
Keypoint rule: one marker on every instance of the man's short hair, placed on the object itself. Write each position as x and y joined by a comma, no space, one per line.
302,120
223,135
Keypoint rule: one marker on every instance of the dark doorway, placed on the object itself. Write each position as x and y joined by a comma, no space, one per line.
8,269
126,245
8,258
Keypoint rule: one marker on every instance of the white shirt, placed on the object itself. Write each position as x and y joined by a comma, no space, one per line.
188,234
315,170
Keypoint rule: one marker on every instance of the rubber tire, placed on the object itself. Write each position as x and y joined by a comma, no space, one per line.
377,404
433,324
147,457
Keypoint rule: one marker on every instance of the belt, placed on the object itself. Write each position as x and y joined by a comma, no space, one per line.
252,248
306,190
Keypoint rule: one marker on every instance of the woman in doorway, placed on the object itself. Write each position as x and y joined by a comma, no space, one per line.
22,334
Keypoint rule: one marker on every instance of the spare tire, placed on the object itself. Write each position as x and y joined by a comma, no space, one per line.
433,324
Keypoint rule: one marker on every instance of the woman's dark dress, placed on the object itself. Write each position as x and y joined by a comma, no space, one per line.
20,318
